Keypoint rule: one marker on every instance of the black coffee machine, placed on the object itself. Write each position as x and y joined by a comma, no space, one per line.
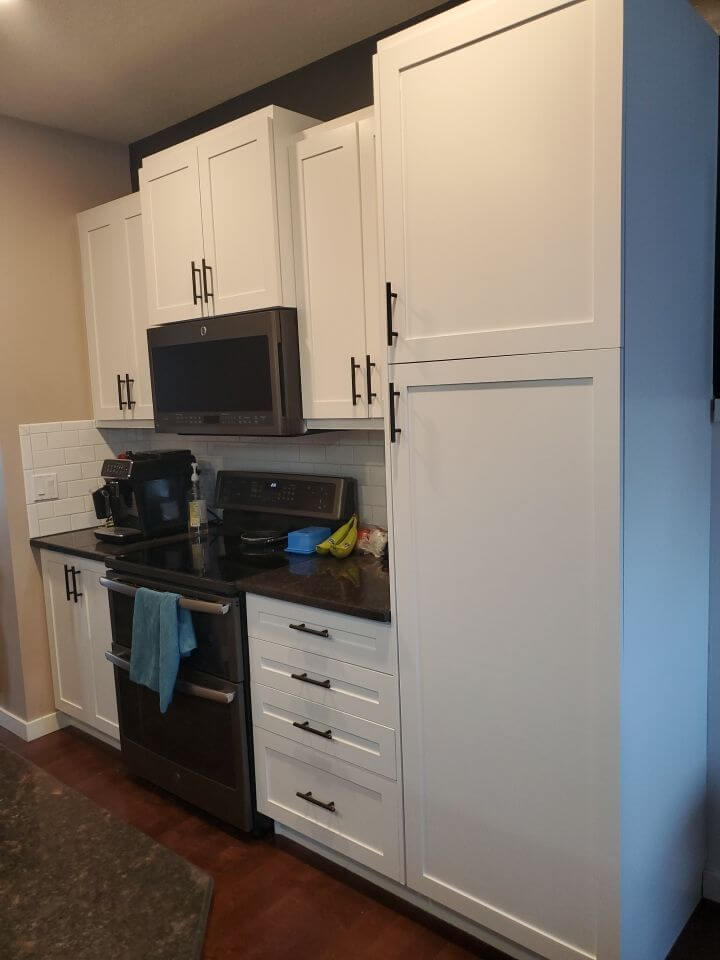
144,494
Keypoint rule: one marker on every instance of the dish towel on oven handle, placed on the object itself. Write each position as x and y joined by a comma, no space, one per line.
162,632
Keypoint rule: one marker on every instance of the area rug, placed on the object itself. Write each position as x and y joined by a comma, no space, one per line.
77,884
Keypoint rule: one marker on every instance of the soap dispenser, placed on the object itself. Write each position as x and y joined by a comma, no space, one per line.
197,507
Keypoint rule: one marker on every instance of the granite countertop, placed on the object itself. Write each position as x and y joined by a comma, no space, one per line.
82,543
358,585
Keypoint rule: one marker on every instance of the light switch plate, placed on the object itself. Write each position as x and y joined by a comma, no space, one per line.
45,486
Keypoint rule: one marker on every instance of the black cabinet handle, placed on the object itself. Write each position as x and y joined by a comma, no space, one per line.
389,297
394,431
205,271
353,367
318,803
197,297
121,402
67,582
306,679
74,573
368,376
128,383
305,725
303,629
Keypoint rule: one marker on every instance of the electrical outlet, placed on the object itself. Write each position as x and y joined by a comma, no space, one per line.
45,486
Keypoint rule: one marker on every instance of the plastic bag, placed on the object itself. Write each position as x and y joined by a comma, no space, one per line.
371,539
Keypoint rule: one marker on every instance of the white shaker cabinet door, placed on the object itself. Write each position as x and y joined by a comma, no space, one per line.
239,213
501,179
506,533
172,231
98,630
330,273
107,308
134,259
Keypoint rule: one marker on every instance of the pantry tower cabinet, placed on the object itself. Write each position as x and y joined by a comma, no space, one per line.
549,448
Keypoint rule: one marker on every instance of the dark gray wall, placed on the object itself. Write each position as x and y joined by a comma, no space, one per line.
327,88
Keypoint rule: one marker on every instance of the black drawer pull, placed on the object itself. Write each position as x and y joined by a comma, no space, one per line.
306,679
67,581
305,725
394,431
197,297
353,385
303,629
318,803
389,297
121,402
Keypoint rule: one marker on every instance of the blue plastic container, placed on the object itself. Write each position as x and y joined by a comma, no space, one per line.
305,540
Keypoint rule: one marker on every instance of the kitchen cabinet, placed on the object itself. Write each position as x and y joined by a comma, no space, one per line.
216,219
79,633
501,129
337,269
325,727
113,271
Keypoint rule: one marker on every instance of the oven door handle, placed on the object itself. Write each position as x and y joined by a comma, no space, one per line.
182,686
197,606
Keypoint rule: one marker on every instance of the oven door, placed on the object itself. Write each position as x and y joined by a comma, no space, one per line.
200,749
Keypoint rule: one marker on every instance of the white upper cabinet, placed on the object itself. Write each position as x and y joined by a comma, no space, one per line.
501,179
337,270
216,215
172,226
113,269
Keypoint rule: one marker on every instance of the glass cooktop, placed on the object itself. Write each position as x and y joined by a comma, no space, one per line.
215,560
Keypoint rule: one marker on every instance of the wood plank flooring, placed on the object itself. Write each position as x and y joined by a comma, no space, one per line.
273,899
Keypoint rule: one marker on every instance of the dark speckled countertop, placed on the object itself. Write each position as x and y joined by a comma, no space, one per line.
358,585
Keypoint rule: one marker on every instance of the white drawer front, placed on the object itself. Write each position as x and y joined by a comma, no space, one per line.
356,690
364,822
368,745
352,639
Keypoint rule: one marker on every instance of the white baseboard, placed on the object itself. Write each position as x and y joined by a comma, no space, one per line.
416,899
711,885
31,729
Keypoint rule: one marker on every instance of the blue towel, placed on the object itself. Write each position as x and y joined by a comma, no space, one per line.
162,633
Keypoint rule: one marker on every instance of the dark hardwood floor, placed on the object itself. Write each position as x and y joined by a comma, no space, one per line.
273,899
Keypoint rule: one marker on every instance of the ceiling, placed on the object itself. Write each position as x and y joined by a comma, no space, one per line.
122,69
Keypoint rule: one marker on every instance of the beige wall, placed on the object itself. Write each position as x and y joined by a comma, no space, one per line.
46,177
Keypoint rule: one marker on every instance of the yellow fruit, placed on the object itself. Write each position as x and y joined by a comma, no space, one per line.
346,546
335,538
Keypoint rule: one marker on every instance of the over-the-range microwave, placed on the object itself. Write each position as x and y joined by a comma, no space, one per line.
234,374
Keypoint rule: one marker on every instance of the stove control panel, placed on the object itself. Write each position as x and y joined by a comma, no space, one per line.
303,495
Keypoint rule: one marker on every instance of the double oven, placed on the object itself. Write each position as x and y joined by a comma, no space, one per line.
201,749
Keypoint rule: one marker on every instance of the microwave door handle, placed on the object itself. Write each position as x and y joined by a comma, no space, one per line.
182,686
187,603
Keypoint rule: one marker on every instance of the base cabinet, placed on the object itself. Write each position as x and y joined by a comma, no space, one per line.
79,633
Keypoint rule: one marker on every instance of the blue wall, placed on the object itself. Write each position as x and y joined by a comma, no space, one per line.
671,73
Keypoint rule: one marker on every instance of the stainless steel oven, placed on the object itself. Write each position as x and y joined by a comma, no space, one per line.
233,374
201,748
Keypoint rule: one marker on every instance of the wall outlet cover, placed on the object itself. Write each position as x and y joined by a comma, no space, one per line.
45,486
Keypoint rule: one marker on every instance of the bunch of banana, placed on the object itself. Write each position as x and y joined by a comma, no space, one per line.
342,543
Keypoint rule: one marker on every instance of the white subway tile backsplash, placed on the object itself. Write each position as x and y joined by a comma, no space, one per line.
77,424
91,469
52,525
90,436
25,451
43,510
80,488
70,471
24,429
79,521
102,451
48,458
80,454
371,454
64,438
45,427
72,505
39,441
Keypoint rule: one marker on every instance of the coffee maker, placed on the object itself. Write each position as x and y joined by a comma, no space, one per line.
144,494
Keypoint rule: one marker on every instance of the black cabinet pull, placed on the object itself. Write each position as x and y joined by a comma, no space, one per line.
121,402
389,297
205,271
74,573
128,383
394,431
197,297
67,582
306,679
368,376
305,725
303,629
355,395
318,803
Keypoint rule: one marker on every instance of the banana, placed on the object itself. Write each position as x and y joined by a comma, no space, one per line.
346,546
335,538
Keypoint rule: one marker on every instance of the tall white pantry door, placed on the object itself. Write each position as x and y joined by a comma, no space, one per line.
506,478
501,179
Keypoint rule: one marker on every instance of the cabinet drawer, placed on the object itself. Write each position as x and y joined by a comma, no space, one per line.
368,745
355,690
361,813
352,639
